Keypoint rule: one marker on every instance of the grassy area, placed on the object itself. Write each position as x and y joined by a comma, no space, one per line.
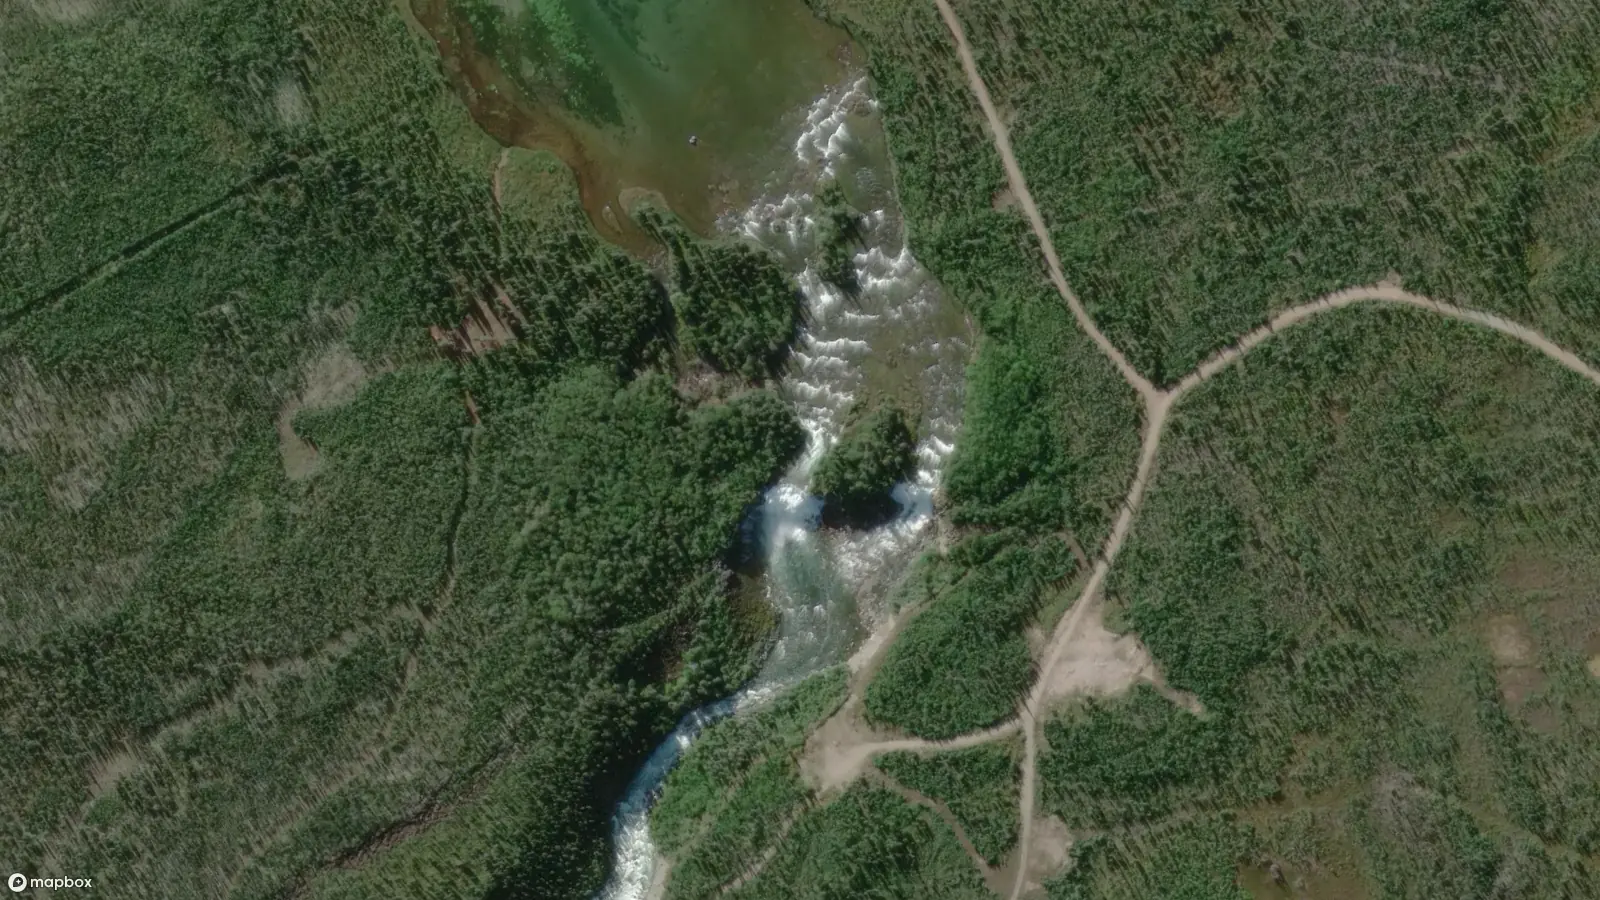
352,527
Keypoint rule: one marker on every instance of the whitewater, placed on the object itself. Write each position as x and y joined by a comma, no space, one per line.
896,336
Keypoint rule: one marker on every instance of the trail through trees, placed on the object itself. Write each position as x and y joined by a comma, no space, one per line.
845,749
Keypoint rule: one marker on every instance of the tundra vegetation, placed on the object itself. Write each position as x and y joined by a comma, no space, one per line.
355,540
978,785
1367,552
354,537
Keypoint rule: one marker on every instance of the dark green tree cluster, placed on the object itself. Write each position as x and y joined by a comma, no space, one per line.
855,477
979,785
445,644
840,232
962,664
739,312
736,308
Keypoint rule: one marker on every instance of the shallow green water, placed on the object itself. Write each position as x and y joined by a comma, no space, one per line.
618,87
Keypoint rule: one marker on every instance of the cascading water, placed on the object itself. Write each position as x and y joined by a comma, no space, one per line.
895,336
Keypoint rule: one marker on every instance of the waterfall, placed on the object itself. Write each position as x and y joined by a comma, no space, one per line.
896,334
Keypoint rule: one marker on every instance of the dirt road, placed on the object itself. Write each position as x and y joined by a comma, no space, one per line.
842,749
1019,191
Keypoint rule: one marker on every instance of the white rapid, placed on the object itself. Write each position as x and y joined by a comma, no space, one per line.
896,337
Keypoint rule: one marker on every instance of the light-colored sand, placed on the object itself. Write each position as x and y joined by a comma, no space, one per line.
289,103
1096,662
1047,852
840,750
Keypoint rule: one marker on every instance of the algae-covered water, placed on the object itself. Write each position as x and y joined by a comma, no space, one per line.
687,99
779,110
896,337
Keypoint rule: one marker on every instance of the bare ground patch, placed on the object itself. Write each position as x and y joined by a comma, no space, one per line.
839,751
483,330
1046,855
331,379
289,103
1095,662
1516,660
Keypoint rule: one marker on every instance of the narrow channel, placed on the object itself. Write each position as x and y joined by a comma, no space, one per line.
894,337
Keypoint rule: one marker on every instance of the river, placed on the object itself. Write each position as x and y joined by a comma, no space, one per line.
777,110
899,338
616,89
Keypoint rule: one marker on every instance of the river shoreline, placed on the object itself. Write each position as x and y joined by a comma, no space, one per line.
896,336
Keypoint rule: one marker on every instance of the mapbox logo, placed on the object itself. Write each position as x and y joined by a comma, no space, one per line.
19,882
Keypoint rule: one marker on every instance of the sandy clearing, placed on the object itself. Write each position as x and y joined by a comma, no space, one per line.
289,103
842,748
332,379
1046,854
1098,662
660,874
1509,641
301,459
1516,660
